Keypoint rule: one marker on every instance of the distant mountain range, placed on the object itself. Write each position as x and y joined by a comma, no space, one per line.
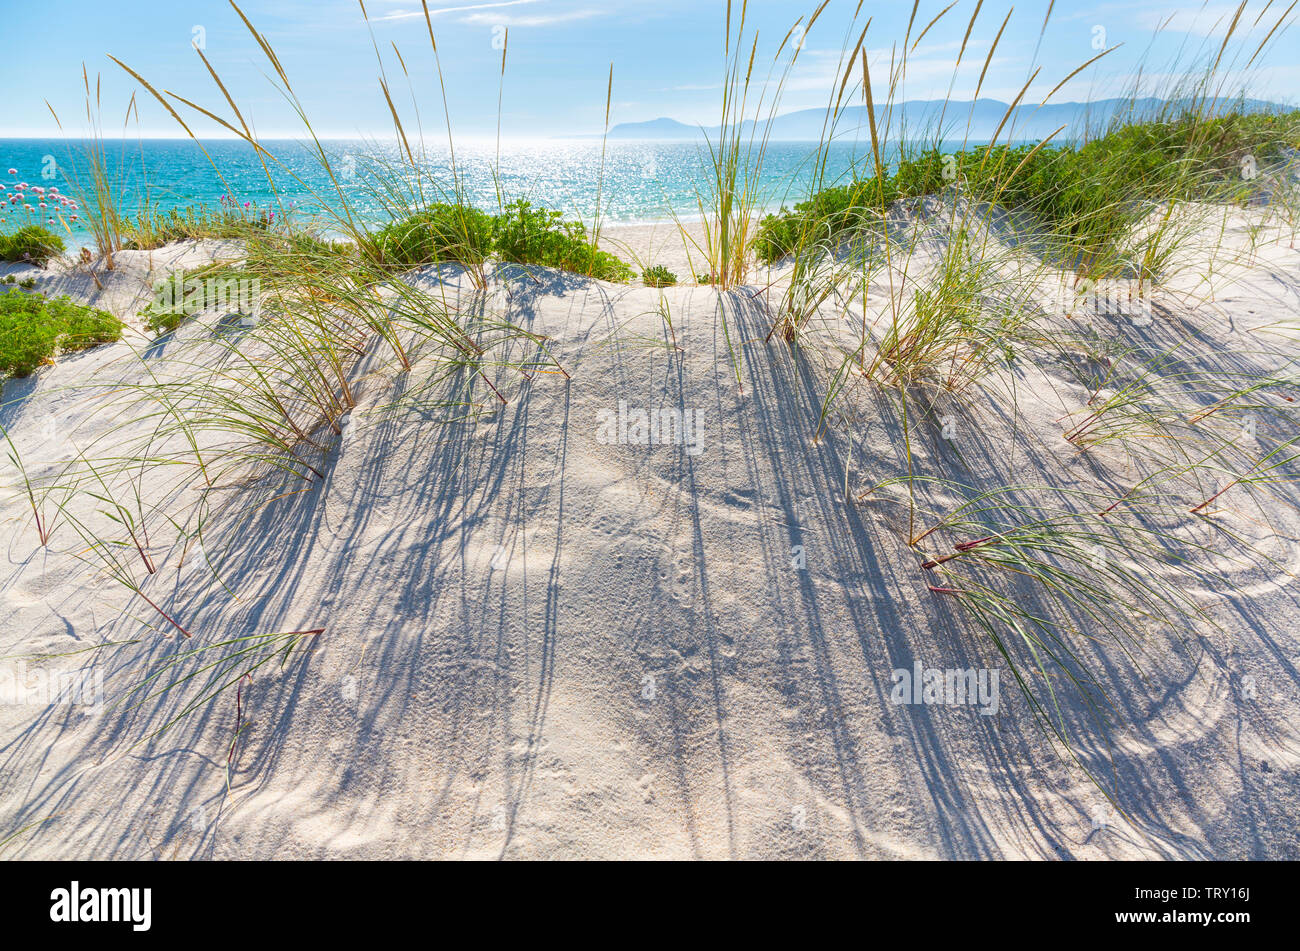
977,121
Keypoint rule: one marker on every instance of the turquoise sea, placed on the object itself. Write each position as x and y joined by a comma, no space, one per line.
641,181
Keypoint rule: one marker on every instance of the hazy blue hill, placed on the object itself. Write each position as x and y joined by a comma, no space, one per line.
921,118
666,129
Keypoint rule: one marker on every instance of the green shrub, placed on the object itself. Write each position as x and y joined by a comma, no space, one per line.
153,229
829,214
521,234
293,264
442,232
921,174
161,315
33,329
281,252
1085,198
778,235
184,294
528,235
31,243
658,276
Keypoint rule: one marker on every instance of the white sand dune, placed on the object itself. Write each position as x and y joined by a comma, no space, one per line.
541,644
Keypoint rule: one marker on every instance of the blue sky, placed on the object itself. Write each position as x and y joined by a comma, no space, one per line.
667,57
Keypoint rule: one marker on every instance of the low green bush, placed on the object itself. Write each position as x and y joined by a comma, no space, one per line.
828,214
528,235
30,243
153,229
1085,197
521,234
291,263
658,276
441,233
180,296
33,329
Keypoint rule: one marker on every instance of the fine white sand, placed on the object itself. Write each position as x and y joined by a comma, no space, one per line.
539,644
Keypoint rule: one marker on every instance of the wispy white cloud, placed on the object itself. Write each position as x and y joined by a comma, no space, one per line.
442,11
541,19
1273,83
1204,19
1213,19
